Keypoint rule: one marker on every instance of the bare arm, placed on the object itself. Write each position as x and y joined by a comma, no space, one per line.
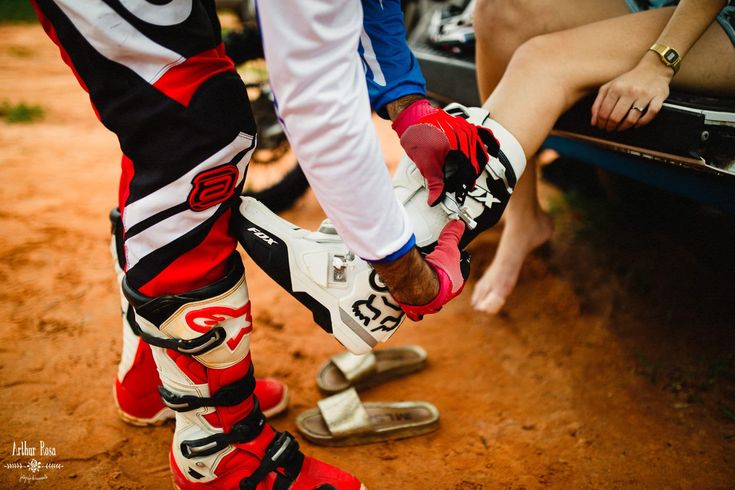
635,97
410,279
689,21
396,107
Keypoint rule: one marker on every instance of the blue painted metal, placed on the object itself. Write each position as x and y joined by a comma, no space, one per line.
705,187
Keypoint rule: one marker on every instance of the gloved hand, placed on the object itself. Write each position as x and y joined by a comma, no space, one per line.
449,151
445,260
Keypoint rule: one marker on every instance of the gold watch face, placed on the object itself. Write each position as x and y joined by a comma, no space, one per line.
670,56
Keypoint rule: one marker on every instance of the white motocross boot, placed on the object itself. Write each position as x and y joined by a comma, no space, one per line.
343,292
345,295
201,345
483,206
135,390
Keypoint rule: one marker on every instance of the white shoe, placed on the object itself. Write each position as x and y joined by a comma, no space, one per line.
484,204
345,295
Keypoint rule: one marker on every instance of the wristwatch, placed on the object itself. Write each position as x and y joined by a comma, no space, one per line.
669,56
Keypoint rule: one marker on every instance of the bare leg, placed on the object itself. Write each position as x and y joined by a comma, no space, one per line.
549,73
502,26
526,227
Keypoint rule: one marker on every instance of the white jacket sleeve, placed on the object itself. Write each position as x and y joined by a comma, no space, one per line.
311,48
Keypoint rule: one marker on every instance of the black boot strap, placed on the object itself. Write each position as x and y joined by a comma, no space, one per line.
192,347
227,396
245,430
282,452
117,232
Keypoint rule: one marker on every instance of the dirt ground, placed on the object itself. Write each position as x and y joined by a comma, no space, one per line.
611,366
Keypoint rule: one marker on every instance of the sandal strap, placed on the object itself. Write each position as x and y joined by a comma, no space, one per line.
227,396
344,414
283,452
243,431
354,367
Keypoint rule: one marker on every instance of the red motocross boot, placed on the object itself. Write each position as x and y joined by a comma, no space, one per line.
200,343
136,385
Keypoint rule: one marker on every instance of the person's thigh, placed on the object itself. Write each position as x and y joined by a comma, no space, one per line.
559,15
709,66
551,72
594,54
159,79
524,19
501,26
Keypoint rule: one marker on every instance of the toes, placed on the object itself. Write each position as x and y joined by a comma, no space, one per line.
480,291
492,303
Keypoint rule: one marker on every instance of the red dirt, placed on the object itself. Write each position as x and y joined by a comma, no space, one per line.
612,366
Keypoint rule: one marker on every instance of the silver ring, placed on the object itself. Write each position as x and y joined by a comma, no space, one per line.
639,109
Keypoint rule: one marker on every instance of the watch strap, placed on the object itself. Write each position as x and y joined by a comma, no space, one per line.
668,55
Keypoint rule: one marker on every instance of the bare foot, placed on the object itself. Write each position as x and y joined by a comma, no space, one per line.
520,236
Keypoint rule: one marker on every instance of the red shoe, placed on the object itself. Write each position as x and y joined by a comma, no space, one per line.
273,456
136,393
272,396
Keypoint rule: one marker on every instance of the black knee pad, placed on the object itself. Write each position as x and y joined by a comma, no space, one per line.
221,105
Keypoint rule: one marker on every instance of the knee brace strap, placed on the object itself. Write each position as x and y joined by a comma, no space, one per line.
191,347
244,431
227,396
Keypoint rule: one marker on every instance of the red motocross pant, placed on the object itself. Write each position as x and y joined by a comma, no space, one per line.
157,76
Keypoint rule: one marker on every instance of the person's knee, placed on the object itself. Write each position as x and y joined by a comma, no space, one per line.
543,58
220,105
505,22
537,55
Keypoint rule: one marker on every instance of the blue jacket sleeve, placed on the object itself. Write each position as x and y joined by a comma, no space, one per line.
391,70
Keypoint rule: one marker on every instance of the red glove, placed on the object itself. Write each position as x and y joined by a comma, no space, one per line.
449,152
445,261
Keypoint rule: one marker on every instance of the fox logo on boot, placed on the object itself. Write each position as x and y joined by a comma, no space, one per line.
365,311
484,197
262,235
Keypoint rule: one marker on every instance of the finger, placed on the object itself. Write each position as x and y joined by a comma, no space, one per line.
654,107
634,114
447,247
446,254
436,191
451,234
606,108
596,105
481,158
460,164
424,145
618,113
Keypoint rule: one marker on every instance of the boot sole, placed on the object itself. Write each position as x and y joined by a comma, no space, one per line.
176,487
280,407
